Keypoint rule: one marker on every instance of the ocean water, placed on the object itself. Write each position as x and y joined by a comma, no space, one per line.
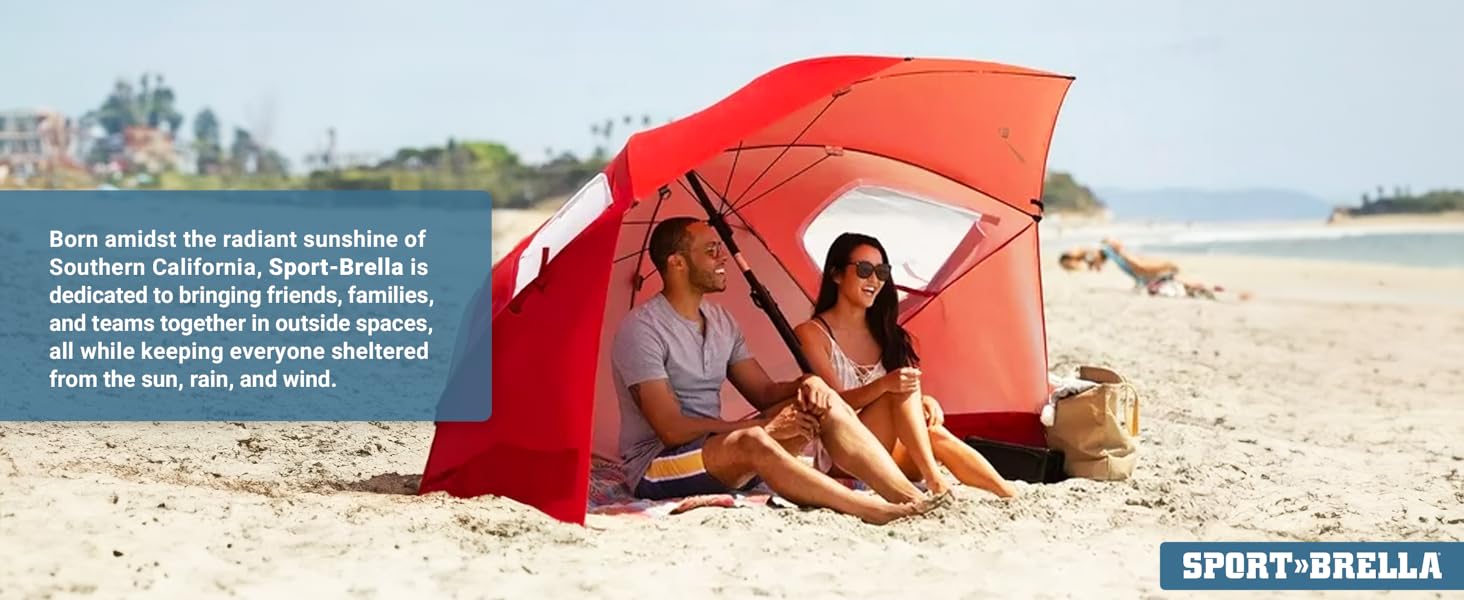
1420,249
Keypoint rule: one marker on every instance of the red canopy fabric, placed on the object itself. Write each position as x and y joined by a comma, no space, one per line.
944,160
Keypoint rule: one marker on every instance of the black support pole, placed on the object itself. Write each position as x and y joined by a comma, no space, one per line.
760,295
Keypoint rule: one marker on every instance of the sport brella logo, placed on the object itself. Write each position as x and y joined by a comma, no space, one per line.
1295,565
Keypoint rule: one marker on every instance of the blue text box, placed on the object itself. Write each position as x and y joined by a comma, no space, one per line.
348,333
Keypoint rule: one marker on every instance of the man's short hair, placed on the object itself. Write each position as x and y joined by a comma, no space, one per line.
669,237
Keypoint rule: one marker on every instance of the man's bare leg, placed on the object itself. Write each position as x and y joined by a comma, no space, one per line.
794,446
735,457
858,452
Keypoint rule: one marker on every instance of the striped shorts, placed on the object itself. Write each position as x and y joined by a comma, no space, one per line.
679,472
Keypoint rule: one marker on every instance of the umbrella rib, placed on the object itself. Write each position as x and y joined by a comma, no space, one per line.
728,188
631,255
958,277
786,147
780,184
723,198
645,241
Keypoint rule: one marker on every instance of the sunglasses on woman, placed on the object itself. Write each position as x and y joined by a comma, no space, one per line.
865,268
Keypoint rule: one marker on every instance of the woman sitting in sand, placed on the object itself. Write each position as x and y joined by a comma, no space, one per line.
855,344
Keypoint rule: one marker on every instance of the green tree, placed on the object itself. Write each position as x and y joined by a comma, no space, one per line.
271,162
243,153
119,110
206,144
152,104
1063,194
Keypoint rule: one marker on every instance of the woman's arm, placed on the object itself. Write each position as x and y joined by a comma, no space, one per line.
818,351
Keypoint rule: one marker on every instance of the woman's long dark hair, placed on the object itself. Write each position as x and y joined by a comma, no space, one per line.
897,349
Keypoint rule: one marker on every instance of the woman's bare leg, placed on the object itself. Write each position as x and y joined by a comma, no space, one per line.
858,452
894,419
967,464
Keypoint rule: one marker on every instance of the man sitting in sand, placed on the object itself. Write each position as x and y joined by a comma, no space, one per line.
671,356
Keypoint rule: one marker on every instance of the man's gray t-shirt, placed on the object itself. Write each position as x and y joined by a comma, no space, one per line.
656,342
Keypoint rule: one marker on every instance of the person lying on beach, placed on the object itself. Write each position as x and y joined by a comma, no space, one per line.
671,356
1074,259
1157,276
854,342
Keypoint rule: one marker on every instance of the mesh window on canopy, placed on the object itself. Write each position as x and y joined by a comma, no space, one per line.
919,235
577,213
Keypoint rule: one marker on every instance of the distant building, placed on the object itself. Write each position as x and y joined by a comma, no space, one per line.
34,140
150,149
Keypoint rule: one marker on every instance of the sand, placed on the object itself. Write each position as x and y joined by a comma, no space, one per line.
1326,408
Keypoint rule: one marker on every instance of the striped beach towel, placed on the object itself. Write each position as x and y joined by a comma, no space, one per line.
610,495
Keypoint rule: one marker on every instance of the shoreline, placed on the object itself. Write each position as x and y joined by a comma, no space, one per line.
1250,229
1341,220
1186,241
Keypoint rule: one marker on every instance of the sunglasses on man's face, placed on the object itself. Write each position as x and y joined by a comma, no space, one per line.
865,268
712,249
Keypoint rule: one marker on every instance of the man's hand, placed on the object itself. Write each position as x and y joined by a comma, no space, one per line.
933,414
792,425
815,396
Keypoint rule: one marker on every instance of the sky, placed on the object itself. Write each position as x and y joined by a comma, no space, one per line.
1328,97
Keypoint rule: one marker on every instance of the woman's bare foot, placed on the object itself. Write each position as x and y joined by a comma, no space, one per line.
1005,490
938,486
890,512
945,498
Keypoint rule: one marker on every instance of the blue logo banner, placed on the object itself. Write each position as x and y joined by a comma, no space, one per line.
1311,565
245,305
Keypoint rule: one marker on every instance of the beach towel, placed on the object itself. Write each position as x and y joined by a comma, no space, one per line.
610,495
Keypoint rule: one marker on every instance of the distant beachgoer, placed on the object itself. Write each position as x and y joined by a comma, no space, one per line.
1145,271
1157,276
1080,257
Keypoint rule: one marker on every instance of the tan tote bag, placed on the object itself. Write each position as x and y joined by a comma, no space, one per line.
1098,430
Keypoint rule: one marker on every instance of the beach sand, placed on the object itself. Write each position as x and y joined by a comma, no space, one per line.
1328,407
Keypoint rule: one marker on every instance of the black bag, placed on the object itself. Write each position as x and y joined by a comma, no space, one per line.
1015,461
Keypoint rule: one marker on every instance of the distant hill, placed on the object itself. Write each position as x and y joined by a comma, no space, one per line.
1064,195
1189,204
1433,202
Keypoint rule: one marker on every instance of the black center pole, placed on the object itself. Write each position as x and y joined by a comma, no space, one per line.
760,295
